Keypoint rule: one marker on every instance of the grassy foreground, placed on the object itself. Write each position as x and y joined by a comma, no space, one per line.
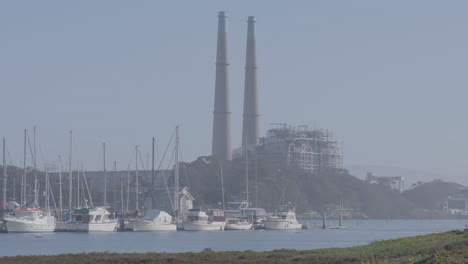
450,247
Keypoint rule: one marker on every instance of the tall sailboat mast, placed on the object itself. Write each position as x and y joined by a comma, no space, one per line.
176,174
23,177
222,182
247,173
105,172
121,195
60,189
70,175
78,203
136,178
36,193
4,177
152,168
128,187
47,190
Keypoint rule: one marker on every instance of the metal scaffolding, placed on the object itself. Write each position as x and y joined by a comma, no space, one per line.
313,150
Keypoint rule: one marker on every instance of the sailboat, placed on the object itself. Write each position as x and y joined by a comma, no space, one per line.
156,220
32,219
237,220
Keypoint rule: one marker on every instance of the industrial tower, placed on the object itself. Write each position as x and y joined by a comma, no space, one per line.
250,128
221,146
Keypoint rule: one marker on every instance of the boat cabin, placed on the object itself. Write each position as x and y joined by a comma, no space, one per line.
216,215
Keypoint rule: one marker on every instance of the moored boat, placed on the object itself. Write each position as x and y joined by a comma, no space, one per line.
154,220
198,220
237,224
30,220
282,220
90,220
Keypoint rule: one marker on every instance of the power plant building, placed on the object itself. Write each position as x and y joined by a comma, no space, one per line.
314,150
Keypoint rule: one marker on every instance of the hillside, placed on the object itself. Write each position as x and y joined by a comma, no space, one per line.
272,185
279,184
431,195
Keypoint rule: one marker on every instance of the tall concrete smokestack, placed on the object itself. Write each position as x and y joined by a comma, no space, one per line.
251,126
221,147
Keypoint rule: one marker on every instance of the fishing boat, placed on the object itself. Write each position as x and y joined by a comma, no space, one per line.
198,220
282,220
30,220
155,220
90,220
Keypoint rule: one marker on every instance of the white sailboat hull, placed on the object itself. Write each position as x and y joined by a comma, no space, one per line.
86,227
46,224
196,226
237,226
281,225
148,226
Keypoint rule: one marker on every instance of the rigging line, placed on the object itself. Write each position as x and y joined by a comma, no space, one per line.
165,182
185,167
31,152
146,178
160,165
49,191
121,190
9,157
52,194
86,183
165,152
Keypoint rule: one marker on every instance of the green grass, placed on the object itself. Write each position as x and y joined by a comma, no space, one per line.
443,248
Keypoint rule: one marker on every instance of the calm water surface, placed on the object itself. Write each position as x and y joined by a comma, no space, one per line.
356,232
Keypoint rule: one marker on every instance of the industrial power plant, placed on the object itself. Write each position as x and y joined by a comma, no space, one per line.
313,150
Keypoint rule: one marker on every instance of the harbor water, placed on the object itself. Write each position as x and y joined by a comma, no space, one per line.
354,233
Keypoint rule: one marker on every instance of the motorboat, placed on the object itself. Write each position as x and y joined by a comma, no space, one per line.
237,224
282,220
198,220
155,220
90,220
30,220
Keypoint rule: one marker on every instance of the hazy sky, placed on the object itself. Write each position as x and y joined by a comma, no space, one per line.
389,78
